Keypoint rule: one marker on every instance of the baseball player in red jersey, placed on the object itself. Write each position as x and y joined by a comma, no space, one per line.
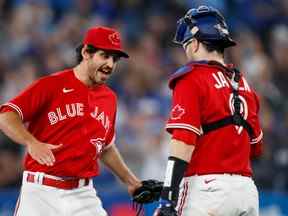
70,118
214,125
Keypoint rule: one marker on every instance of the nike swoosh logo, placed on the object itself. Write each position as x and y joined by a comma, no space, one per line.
65,90
207,181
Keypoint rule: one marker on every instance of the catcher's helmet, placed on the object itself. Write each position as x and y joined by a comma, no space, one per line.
206,24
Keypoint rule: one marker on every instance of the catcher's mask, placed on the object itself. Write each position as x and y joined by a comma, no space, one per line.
206,24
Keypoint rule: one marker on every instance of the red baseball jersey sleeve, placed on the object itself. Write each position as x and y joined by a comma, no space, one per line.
31,99
60,109
202,94
186,107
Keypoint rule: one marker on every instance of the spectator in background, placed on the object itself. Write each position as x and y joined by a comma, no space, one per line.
18,77
279,50
10,163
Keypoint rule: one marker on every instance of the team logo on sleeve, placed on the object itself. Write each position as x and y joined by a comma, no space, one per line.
243,110
177,112
98,143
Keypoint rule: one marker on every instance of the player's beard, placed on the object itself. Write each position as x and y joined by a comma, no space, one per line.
100,75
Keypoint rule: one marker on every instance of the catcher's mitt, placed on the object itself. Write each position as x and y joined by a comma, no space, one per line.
149,192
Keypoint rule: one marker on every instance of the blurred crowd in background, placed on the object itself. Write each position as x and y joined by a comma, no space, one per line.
39,37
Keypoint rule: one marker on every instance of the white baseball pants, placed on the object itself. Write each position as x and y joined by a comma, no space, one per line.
36,199
218,195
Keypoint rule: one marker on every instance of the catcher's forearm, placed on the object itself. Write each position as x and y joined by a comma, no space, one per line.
181,150
113,160
177,163
13,127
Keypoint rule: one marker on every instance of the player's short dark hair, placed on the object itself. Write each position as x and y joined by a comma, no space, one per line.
211,47
90,49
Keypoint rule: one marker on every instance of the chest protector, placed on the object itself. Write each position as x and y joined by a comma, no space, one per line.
235,119
234,76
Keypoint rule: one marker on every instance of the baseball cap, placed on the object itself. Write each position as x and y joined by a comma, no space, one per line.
105,38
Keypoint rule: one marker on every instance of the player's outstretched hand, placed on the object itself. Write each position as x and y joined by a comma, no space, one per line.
42,152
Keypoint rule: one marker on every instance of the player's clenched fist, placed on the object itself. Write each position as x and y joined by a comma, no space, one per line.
42,152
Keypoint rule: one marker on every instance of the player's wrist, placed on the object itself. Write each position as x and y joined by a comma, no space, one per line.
174,173
31,141
130,178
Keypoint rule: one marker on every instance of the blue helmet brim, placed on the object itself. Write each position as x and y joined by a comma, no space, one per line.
182,33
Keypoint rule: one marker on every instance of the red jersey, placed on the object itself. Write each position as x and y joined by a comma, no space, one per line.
60,109
202,94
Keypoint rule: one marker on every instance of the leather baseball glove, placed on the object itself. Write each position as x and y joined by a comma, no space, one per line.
149,192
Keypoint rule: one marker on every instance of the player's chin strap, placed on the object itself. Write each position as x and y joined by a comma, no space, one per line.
236,118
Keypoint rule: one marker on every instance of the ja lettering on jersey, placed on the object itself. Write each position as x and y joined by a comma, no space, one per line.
202,94
61,110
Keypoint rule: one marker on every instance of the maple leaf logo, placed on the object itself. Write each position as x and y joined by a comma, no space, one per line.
177,112
115,38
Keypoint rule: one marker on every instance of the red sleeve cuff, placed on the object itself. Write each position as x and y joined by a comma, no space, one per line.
256,150
6,109
185,136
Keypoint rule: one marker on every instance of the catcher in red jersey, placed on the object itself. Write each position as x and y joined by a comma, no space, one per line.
71,125
214,125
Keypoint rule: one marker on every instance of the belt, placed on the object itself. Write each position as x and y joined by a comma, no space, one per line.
66,184
229,174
